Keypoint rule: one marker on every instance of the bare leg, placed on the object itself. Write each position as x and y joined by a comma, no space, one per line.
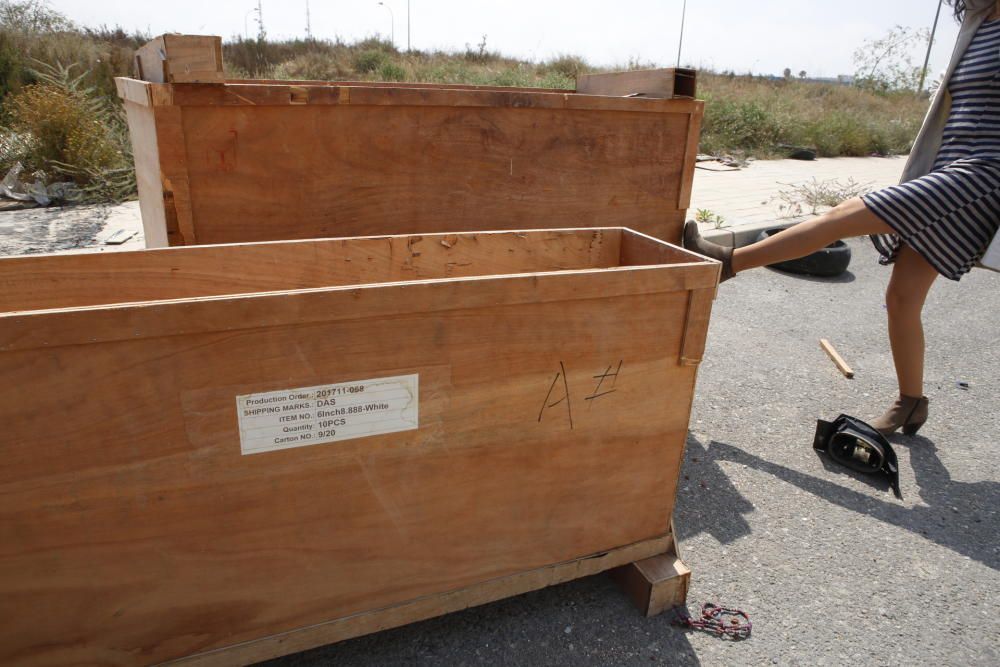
911,280
852,218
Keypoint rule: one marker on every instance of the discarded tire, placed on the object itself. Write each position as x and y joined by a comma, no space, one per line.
829,261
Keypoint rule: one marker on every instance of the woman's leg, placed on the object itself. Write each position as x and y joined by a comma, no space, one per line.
911,280
852,218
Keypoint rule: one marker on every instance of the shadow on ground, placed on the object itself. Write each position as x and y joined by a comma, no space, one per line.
709,503
845,277
584,622
960,516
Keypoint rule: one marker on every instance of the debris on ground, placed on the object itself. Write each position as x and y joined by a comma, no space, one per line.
721,621
721,162
798,152
13,186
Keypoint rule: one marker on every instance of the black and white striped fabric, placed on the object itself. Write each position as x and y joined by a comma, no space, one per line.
950,215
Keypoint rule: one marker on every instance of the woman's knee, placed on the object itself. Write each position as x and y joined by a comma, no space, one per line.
911,280
903,299
854,218
900,302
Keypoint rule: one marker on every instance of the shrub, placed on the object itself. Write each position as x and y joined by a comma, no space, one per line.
315,66
391,72
250,56
556,80
567,66
66,130
480,54
743,125
370,60
377,43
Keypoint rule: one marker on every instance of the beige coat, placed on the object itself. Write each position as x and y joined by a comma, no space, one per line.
928,141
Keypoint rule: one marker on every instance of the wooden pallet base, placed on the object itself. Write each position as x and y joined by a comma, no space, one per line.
337,630
657,583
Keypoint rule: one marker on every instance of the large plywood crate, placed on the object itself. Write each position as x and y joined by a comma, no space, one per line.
226,453
256,160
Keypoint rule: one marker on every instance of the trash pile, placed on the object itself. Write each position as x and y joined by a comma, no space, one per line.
33,189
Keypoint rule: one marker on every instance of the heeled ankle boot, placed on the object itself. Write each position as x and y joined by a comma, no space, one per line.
694,241
908,413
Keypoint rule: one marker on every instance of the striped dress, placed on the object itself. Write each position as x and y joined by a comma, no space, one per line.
950,215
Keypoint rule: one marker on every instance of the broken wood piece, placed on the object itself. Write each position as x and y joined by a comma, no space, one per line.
837,359
119,237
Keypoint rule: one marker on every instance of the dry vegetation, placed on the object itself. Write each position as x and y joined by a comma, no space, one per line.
756,115
60,118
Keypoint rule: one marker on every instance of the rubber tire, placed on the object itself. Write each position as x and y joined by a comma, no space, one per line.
827,262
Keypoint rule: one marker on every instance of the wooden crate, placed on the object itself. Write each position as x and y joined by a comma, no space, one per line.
530,397
243,161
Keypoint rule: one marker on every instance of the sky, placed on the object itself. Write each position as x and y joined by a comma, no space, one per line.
759,36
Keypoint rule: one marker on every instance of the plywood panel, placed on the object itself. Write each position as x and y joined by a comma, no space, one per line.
280,172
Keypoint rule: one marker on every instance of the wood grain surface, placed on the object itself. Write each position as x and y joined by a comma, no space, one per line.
259,161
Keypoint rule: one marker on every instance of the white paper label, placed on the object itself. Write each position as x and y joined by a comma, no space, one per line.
327,413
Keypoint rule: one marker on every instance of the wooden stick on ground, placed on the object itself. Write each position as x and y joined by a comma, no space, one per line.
837,359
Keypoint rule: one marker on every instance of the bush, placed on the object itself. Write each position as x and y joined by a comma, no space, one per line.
566,66
314,66
11,69
480,55
248,56
391,72
66,130
741,125
370,60
376,43
757,115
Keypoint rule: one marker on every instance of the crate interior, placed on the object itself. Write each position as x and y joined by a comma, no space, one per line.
84,280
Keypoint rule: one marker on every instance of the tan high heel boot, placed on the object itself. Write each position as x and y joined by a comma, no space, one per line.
908,413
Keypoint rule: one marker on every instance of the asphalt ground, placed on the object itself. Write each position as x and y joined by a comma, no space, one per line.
830,566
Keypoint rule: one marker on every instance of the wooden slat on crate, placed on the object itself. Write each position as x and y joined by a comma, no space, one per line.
338,630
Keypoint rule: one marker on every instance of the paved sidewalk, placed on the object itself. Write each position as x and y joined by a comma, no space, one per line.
748,196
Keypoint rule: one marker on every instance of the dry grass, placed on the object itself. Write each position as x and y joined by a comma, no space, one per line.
756,116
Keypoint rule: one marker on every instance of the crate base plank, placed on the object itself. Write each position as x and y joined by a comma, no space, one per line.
550,397
418,610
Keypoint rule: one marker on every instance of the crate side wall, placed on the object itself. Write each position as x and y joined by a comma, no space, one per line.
139,525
